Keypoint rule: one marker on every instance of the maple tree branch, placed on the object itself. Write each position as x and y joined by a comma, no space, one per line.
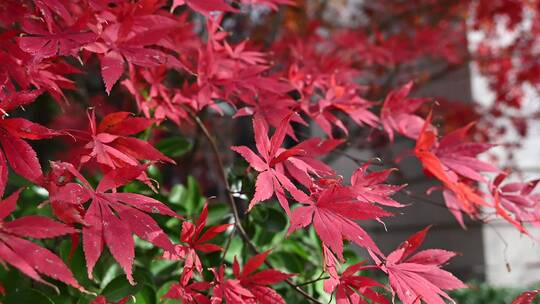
232,203
222,173
319,278
229,241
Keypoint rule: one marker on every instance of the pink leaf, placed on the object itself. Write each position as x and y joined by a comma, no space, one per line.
37,227
8,205
43,261
92,236
3,176
112,67
21,157
264,188
419,277
119,241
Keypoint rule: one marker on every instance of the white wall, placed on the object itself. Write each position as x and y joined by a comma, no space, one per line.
511,259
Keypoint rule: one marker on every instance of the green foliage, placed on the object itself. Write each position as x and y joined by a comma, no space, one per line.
174,147
28,296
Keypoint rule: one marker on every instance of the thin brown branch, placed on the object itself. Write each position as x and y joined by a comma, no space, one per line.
319,278
229,241
232,203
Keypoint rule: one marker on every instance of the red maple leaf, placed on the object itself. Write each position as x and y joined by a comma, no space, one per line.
18,153
111,218
43,43
369,186
229,290
54,181
257,283
103,300
231,73
110,145
302,163
354,289
29,72
188,292
526,297
397,113
519,203
271,108
271,178
419,277
459,195
517,198
132,38
451,159
341,98
460,156
31,259
48,8
204,7
161,102
50,75
196,240
10,100
333,212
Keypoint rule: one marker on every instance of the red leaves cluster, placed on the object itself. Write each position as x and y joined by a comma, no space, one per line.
333,212
248,286
312,81
196,240
527,297
111,218
397,113
453,161
188,292
109,144
351,288
15,150
270,164
415,277
31,259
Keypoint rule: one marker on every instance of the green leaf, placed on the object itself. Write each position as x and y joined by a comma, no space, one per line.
275,220
188,197
155,173
293,246
27,296
109,273
235,249
263,237
85,299
146,295
76,262
13,279
120,288
216,213
291,262
174,146
165,268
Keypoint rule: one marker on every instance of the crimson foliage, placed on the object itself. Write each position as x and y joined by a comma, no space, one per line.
164,67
